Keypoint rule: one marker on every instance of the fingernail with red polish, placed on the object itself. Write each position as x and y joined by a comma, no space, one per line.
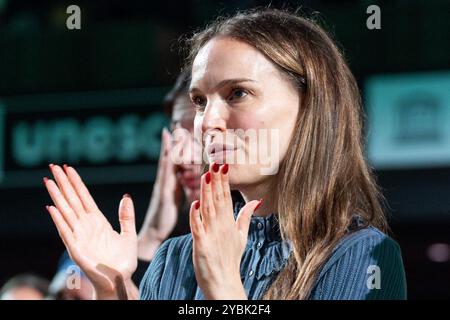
45,179
126,195
225,168
215,167
258,205
197,204
65,166
208,177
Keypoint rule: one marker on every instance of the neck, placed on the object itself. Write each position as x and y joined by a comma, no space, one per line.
257,192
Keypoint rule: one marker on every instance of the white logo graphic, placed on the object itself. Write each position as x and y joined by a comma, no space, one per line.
74,20
374,280
374,20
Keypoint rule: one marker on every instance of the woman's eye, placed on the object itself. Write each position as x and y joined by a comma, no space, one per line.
238,93
199,102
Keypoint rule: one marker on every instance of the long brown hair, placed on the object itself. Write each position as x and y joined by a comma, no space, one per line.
324,178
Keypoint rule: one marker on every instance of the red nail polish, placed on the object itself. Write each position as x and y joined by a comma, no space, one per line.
215,167
258,205
197,204
208,177
45,179
225,168
126,195
65,166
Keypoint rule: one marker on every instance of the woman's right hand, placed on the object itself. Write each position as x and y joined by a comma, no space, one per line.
107,257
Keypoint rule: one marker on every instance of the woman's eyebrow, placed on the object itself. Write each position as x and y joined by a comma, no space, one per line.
224,83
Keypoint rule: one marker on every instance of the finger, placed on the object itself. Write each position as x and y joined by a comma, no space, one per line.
167,140
226,188
126,216
216,188
170,167
245,215
61,225
163,155
195,220
206,200
61,203
67,189
81,189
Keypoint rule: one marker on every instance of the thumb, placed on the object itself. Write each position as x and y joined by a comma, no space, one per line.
126,215
245,215
163,156
167,143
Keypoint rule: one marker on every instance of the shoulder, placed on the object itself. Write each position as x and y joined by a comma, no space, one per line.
362,243
171,263
366,264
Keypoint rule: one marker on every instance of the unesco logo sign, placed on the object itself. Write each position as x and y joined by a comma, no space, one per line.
104,134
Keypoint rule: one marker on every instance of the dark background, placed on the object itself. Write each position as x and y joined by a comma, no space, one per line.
126,57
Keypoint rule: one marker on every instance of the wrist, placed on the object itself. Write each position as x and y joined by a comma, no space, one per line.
147,248
105,293
149,236
119,291
226,290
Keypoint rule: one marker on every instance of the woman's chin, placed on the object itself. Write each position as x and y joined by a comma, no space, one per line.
235,179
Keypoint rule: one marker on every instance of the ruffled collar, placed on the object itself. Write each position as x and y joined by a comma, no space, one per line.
264,235
261,227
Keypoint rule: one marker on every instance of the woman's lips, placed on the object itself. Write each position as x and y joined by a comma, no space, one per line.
219,147
222,156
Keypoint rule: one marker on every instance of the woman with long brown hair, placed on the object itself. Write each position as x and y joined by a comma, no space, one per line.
318,231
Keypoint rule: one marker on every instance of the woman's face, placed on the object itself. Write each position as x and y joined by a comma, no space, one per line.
234,86
187,171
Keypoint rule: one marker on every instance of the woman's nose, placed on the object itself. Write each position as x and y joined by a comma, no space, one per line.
214,117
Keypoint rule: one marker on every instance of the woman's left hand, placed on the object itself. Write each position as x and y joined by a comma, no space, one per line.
218,239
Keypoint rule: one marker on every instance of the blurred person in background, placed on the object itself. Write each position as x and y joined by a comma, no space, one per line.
25,287
176,185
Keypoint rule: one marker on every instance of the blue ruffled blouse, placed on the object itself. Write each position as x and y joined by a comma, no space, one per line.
348,273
